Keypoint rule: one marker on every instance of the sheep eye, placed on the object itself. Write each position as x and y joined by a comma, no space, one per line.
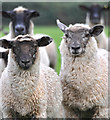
66,35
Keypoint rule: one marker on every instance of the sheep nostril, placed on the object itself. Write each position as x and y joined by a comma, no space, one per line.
20,29
75,48
25,61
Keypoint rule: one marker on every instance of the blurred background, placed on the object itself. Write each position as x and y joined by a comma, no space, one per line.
66,12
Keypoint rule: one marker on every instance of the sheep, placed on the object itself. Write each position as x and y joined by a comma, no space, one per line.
29,88
94,17
26,26
84,72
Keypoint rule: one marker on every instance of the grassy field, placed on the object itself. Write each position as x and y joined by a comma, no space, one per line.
52,31
56,34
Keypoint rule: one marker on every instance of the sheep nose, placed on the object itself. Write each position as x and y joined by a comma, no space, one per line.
25,61
20,28
75,47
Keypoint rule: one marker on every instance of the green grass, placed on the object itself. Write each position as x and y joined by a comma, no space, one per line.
52,31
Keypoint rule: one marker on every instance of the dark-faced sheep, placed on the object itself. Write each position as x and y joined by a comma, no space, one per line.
27,87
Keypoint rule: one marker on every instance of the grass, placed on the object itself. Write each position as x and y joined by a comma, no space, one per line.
52,31
56,34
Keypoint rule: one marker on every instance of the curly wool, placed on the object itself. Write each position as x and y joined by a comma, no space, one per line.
84,79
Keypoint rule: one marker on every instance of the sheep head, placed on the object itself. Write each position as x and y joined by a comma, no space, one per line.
77,36
20,18
25,49
95,12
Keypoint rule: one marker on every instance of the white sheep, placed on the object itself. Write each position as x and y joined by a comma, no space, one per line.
84,72
28,88
94,16
27,27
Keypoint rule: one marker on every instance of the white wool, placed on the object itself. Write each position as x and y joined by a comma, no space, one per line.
44,56
19,9
85,79
80,25
102,40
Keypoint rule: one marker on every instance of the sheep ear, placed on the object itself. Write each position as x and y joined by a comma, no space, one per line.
105,7
6,44
62,26
33,13
96,30
83,7
6,14
44,41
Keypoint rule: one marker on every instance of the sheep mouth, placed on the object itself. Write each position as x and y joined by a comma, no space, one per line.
76,52
19,33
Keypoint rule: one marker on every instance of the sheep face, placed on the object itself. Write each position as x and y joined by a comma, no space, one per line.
95,12
77,36
25,49
20,18
76,41
25,53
